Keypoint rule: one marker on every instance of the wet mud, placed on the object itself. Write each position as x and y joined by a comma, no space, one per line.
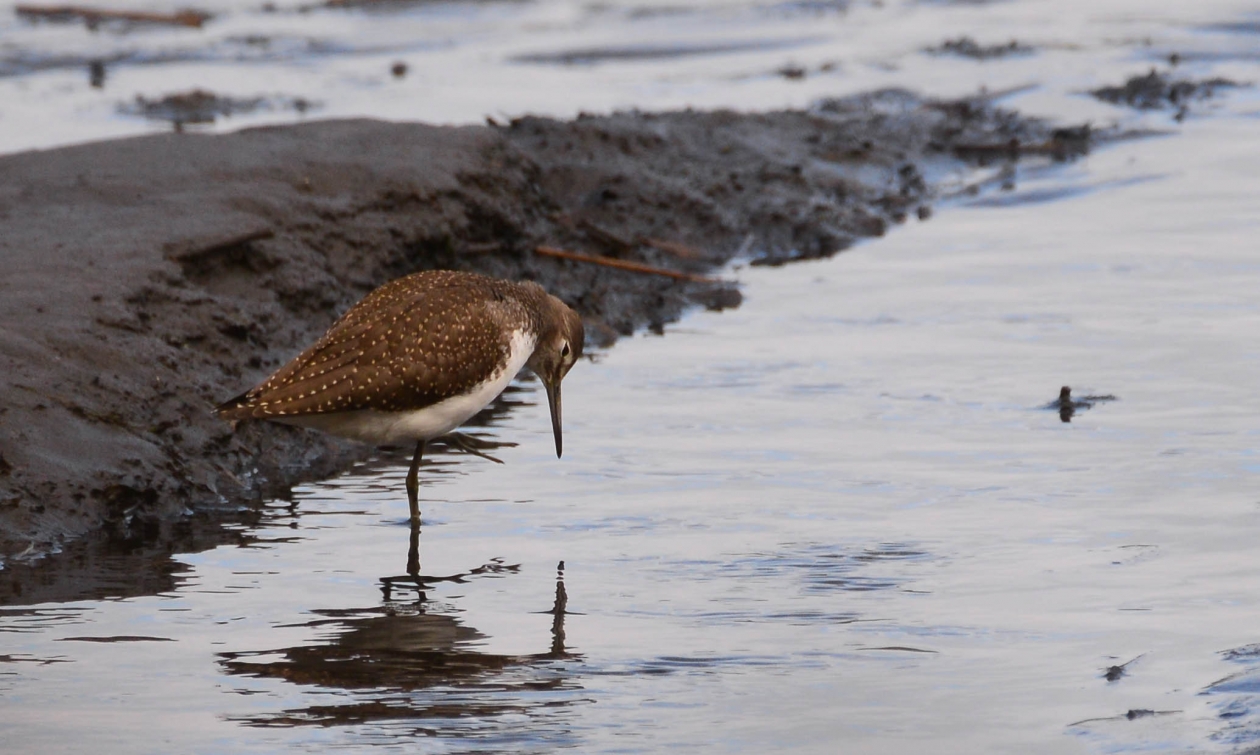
152,277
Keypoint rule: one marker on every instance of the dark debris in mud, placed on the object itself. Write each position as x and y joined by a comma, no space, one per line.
1244,654
967,47
1160,91
189,266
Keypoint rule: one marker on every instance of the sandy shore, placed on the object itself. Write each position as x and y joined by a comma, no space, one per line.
148,279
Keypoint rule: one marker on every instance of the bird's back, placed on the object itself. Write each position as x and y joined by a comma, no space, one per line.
409,344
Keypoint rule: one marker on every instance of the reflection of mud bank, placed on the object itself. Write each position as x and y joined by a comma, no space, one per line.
199,106
149,278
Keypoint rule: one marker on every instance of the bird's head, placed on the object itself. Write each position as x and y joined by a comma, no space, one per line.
558,349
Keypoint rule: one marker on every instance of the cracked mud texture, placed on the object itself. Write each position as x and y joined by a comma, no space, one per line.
148,279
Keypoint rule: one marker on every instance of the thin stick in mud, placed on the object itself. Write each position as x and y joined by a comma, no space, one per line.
634,267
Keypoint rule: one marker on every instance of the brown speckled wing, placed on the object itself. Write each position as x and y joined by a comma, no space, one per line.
409,344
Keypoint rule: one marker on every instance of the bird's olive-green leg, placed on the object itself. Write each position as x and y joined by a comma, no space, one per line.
413,484
413,550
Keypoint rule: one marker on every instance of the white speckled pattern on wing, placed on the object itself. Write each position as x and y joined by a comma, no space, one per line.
419,356
396,427
409,344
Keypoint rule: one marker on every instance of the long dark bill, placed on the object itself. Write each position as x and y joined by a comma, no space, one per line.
553,399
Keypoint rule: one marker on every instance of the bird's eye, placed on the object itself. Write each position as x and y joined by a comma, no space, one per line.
564,350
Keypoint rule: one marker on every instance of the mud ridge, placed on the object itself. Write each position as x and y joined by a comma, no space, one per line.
148,279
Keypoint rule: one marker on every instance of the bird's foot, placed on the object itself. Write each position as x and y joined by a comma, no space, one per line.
471,444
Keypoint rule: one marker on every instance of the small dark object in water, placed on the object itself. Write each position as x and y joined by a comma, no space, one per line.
1132,715
1068,406
399,69
96,74
1117,672
792,72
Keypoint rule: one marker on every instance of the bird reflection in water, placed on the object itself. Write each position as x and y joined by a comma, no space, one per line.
414,580
401,663
472,444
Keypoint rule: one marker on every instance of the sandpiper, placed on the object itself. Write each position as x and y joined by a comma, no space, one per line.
418,357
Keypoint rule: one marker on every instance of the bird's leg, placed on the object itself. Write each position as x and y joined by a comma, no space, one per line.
413,550
413,484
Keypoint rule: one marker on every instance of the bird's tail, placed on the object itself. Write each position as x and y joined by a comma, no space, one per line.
236,408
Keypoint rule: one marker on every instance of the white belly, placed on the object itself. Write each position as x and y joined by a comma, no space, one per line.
390,428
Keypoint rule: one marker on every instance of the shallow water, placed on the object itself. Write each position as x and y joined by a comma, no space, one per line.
837,516
287,60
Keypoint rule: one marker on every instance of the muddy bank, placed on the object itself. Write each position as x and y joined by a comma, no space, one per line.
148,279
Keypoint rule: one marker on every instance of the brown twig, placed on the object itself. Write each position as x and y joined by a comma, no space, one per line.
191,18
634,267
675,248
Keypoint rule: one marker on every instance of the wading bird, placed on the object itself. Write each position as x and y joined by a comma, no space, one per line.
418,357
